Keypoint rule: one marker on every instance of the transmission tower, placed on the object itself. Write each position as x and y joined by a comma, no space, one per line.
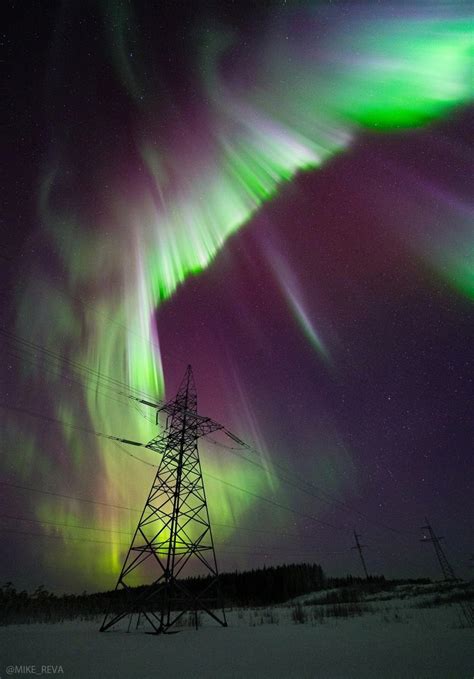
465,607
359,548
173,538
446,567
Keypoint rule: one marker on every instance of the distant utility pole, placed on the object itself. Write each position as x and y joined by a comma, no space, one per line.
446,567
359,548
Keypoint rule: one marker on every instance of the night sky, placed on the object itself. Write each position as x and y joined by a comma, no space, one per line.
279,194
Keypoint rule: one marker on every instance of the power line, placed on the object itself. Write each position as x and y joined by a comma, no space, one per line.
104,530
233,450
109,530
265,499
29,348
60,537
57,372
315,491
63,376
135,457
69,296
32,346
122,440
54,420
62,525
133,509
263,552
274,503
331,500
270,472
68,497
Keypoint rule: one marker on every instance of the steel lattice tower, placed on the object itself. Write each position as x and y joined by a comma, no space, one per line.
174,530
446,567
466,607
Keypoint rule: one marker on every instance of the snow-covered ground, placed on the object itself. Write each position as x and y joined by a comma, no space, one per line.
390,640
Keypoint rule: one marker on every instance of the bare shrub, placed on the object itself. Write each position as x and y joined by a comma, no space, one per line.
347,610
299,614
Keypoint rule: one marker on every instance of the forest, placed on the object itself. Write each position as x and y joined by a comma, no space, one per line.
273,585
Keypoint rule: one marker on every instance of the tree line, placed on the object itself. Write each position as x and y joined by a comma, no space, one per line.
259,587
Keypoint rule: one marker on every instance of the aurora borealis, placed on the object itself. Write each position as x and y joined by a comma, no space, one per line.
278,196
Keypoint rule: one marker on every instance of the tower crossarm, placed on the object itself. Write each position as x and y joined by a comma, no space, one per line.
201,426
205,424
193,418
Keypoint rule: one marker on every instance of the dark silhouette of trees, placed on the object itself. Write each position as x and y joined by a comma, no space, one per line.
261,587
